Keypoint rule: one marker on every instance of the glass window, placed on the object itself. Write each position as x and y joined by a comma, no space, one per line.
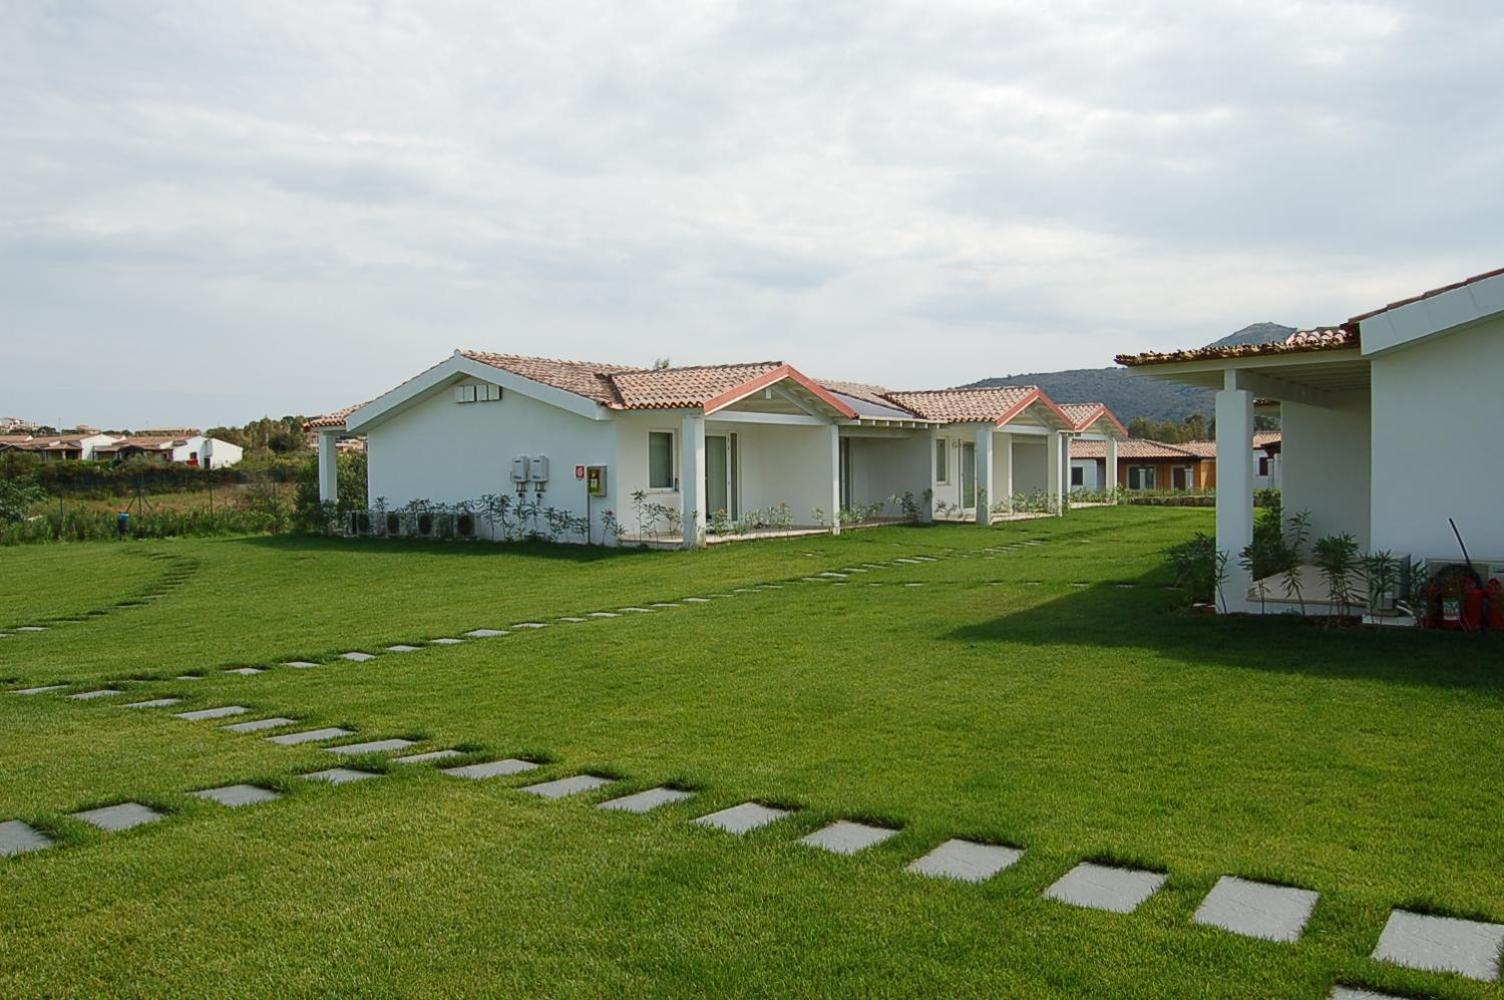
1264,465
1141,477
1078,476
942,474
660,460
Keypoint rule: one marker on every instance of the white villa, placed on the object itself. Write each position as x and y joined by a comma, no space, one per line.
712,443
1390,424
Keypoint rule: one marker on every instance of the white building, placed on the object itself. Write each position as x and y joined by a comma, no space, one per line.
1381,422
714,444
192,449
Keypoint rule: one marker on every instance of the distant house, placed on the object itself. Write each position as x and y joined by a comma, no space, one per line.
1387,421
57,448
1154,465
194,450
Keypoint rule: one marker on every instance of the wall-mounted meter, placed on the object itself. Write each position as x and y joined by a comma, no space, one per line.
519,469
537,468
595,480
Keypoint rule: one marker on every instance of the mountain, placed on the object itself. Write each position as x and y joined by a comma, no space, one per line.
1131,396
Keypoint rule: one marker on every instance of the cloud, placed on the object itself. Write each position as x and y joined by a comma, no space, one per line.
217,212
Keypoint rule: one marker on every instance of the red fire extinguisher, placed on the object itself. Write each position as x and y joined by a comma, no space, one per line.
1495,593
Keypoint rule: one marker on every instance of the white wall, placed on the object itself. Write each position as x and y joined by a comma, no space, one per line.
1325,459
222,454
446,452
1091,474
1030,464
1438,414
784,464
882,467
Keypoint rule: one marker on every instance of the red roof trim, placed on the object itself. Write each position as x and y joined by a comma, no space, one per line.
778,374
1037,396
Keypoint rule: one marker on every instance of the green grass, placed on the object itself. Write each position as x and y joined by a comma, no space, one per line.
1021,697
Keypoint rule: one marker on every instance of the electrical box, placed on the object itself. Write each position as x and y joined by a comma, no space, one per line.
519,469
537,468
595,480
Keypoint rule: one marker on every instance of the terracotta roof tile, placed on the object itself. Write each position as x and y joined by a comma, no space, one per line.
669,388
1328,338
967,405
334,419
1140,448
1083,415
583,378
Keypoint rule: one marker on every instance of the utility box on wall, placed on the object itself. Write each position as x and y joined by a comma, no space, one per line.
595,480
519,469
537,468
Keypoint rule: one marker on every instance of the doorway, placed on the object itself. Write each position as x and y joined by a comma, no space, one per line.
721,476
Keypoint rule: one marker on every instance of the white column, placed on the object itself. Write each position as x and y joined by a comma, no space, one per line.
835,479
328,469
1005,478
1052,453
1234,488
984,475
926,479
692,479
1110,468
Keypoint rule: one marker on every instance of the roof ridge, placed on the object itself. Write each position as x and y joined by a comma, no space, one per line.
700,368
960,388
605,366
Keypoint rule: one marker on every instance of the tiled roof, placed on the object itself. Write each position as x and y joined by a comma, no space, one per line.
1140,448
1083,415
670,388
330,420
583,378
995,404
1426,295
1327,338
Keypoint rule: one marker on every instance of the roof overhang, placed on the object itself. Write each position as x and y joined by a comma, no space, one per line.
1103,424
1315,378
1408,324
1042,408
792,381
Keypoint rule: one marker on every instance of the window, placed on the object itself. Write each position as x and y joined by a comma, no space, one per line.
1264,466
1078,476
1141,477
942,472
660,460
1180,477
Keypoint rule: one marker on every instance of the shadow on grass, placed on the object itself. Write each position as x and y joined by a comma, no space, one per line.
1143,613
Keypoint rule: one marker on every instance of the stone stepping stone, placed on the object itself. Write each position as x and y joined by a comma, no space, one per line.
373,746
813,579
485,633
491,769
744,818
18,838
402,648
300,664
665,604
831,574
153,703
1441,944
561,787
91,695
926,558
531,625
697,600
32,628
244,671
40,690
604,614
636,611
340,775
913,585
1099,887
845,837
1353,993
720,595
120,817
966,860
356,656
424,758
907,562
256,725
1257,909
235,796
641,802
224,711
309,736
188,677
445,642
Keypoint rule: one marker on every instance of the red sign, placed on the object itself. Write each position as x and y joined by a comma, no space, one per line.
579,472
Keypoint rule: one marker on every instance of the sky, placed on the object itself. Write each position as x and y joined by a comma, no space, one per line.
211,212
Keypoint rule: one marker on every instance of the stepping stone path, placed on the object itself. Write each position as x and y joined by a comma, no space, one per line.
238,795
572,620
1442,944
561,787
445,642
491,769
31,628
1098,887
530,625
402,648
846,837
374,746
1257,909
309,736
356,656
485,633
91,695
743,818
124,816
423,758
18,838
153,703
256,725
637,611
300,664
244,671
40,690
224,711
340,775
641,802
697,600
966,860
604,614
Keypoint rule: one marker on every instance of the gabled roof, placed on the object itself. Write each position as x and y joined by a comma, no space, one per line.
329,421
583,378
996,404
1084,415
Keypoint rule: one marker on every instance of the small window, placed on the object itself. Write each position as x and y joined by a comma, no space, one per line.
942,473
1078,476
1141,477
464,394
660,460
1264,465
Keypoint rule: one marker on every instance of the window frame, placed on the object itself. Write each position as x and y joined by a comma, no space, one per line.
1078,476
942,461
673,460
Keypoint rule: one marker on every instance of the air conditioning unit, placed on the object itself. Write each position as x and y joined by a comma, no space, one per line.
538,468
520,469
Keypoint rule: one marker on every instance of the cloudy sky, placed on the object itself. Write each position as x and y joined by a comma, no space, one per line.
210,212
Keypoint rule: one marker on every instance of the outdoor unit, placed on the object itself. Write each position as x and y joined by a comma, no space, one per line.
538,469
519,470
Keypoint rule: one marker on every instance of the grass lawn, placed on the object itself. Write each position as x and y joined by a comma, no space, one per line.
1048,695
